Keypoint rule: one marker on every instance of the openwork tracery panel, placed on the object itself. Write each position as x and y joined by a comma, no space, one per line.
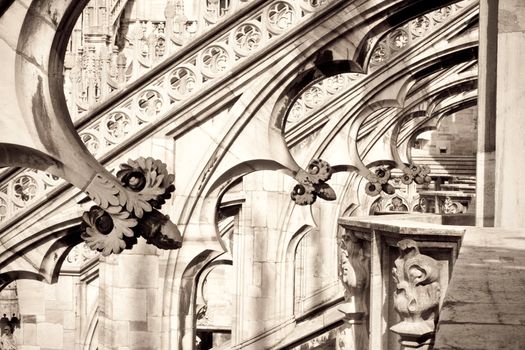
401,38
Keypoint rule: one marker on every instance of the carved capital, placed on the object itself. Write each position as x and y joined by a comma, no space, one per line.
312,183
416,298
127,208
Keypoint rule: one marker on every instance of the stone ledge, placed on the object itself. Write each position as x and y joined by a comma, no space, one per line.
484,307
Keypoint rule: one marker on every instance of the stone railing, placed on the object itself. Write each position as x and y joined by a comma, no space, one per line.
395,271
401,38
198,69
95,70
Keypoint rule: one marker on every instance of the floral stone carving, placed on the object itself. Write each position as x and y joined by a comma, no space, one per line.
416,298
312,183
378,180
128,211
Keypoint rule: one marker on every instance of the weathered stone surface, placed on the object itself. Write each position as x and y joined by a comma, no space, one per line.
484,307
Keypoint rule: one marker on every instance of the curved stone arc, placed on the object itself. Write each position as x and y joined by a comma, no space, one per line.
14,155
462,103
394,138
431,123
358,120
405,146
401,119
406,139
450,74
55,239
47,117
412,101
453,32
186,290
415,66
286,247
396,153
289,69
49,23
363,169
57,253
96,132
384,39
459,83
220,185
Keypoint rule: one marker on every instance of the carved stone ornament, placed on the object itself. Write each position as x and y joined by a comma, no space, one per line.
417,173
416,297
451,207
378,180
126,212
354,271
312,183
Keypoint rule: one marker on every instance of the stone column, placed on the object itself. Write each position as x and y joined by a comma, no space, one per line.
129,299
485,172
502,103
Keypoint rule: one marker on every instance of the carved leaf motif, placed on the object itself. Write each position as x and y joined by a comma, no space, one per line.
103,191
114,241
325,192
155,188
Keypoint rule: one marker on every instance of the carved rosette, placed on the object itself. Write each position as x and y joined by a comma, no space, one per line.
378,181
417,294
127,210
312,183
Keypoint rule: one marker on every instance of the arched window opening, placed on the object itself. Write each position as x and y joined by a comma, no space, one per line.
213,309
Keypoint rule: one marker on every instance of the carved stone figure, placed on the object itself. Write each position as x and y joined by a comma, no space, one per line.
422,206
397,205
7,342
354,270
354,274
417,294
451,207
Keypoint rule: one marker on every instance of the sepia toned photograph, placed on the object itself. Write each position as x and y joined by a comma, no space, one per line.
262,175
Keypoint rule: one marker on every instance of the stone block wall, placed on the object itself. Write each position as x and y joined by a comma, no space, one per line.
47,314
129,303
456,135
